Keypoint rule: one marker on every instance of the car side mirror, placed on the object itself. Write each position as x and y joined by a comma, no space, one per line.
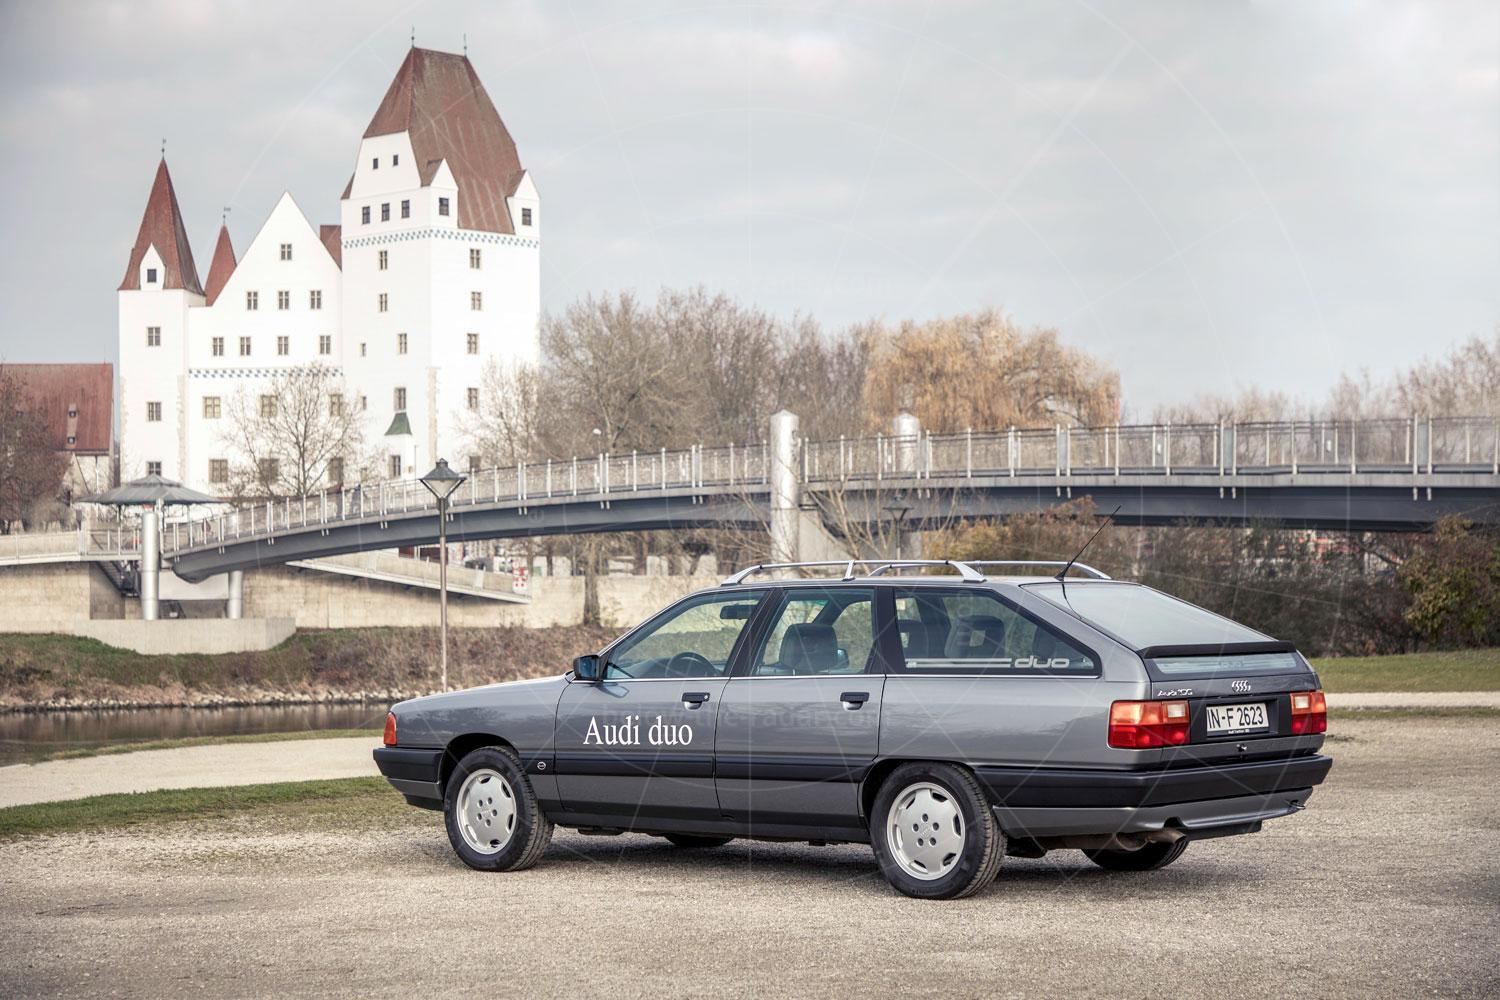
588,668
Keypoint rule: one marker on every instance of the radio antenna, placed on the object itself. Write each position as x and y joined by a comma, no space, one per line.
1062,574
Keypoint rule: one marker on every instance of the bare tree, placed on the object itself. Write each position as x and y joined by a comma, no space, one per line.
31,471
507,428
298,434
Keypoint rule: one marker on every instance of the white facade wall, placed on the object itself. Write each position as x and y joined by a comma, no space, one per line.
428,282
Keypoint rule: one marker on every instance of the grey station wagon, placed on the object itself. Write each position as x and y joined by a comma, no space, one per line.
941,713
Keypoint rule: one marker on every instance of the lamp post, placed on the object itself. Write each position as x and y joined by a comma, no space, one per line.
441,482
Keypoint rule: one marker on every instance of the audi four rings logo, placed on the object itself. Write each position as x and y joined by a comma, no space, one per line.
1239,687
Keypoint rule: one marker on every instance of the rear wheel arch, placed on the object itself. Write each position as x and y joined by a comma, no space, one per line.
882,769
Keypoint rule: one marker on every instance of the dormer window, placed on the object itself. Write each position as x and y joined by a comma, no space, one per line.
525,216
150,275
442,206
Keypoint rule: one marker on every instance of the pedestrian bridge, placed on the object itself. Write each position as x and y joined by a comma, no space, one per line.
1377,475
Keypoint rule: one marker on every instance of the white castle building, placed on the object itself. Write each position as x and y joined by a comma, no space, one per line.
432,270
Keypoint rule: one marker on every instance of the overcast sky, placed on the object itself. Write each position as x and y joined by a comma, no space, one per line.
1207,195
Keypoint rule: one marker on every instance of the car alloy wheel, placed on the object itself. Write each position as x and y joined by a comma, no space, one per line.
927,831
486,811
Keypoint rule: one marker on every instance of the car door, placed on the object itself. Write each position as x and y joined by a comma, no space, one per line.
800,720
639,743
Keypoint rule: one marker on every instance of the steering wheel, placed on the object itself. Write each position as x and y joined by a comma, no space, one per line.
676,666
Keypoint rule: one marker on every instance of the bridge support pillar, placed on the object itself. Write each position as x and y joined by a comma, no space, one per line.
151,564
786,486
234,606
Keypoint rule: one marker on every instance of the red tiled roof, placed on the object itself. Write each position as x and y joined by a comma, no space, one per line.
221,267
438,99
86,391
161,226
332,237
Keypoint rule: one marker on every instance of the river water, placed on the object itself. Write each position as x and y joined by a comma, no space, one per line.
28,736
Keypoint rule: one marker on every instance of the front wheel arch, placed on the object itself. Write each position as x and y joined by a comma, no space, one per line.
461,746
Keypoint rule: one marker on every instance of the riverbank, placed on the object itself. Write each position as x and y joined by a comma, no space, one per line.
41,673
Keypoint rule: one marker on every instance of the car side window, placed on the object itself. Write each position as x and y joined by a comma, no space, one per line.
694,639
975,632
819,631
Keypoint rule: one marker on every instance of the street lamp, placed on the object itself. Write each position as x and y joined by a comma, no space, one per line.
898,516
441,482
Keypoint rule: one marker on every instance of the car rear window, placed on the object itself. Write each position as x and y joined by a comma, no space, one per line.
1142,617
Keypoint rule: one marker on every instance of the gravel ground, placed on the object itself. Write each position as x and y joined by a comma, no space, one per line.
1388,885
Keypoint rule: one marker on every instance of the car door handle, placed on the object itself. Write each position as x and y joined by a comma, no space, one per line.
694,699
852,700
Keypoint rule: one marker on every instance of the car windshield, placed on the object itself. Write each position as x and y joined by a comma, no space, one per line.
1143,617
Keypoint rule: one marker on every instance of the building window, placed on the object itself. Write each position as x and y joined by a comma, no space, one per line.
395,466
218,470
364,403
335,404
473,464
325,343
385,260
472,342
362,350
375,163
270,470
474,258
315,299
283,300
153,336
398,398
385,211
267,407
395,159
400,343
473,398
72,439
476,301
364,215
244,347
335,470
213,407
286,251
217,346
384,302
150,275
283,345
525,216
406,208
442,206
252,300
153,468
153,413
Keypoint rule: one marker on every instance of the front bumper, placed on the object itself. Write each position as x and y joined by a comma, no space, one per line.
414,773
1049,803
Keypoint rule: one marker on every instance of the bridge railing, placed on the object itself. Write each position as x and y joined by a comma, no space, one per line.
1298,448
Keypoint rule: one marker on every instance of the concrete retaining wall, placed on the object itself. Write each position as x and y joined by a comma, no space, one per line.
188,635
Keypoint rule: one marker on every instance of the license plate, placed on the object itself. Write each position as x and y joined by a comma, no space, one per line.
1224,719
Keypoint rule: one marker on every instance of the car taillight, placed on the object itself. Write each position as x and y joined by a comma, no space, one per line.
1309,713
390,729
1140,725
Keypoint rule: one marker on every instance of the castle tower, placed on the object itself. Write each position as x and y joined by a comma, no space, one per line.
160,284
441,233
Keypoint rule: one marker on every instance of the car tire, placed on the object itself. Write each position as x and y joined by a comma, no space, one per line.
491,813
1147,859
694,840
953,847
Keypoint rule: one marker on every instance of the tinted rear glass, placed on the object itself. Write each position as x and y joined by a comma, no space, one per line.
1144,617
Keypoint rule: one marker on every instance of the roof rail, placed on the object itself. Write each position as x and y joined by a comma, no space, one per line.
967,572
1084,568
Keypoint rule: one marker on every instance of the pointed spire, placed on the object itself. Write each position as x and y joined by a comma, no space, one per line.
222,266
162,227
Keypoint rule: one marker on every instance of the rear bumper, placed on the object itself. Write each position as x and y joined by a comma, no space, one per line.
1061,802
416,774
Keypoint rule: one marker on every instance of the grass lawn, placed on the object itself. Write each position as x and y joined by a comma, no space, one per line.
287,802
1461,670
